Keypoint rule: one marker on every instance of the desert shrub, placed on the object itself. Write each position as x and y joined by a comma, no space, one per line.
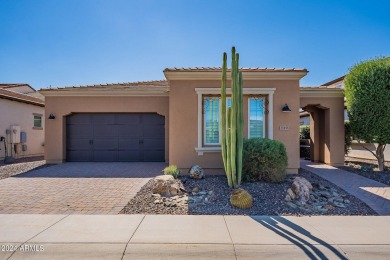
264,160
172,170
304,132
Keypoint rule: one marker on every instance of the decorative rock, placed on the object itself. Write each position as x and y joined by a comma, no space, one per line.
339,204
346,201
195,190
167,186
196,172
292,205
301,188
291,194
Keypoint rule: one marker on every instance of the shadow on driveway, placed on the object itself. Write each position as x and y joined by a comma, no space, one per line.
97,170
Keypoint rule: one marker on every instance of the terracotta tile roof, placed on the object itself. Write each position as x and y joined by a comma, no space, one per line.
14,85
123,85
213,69
11,95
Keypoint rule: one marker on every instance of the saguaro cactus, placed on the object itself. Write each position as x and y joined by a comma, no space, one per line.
232,122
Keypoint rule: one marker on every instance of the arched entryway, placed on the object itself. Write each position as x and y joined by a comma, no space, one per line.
326,109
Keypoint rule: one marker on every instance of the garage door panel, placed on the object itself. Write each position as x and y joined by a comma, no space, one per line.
105,131
78,144
128,144
105,144
128,131
79,119
128,156
153,119
79,156
154,144
105,156
153,131
79,131
127,119
103,119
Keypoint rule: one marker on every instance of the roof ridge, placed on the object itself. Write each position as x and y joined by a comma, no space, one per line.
124,84
241,68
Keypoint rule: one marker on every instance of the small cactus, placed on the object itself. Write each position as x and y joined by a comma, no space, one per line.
240,198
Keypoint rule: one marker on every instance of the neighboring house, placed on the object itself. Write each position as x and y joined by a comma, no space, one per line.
177,120
21,121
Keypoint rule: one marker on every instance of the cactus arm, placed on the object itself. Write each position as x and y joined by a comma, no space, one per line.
240,131
228,161
223,111
233,136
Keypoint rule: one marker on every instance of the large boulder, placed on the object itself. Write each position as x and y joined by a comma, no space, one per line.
300,190
167,186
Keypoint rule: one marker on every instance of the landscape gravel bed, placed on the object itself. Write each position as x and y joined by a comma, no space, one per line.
21,166
268,199
367,168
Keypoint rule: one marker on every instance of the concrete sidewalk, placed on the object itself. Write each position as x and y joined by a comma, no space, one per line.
193,237
375,194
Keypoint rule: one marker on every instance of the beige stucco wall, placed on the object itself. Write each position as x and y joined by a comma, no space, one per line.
21,114
328,132
183,113
62,106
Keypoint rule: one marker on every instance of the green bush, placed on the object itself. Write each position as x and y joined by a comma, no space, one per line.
304,132
367,92
172,170
264,160
348,137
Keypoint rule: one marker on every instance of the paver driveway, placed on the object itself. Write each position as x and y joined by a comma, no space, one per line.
75,188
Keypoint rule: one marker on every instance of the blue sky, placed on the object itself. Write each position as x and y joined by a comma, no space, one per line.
79,42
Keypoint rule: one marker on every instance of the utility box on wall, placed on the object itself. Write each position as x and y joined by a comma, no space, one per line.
15,134
23,137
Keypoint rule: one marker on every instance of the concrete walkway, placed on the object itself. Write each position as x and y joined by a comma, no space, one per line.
193,237
375,194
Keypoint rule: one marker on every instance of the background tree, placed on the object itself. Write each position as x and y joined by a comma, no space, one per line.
367,91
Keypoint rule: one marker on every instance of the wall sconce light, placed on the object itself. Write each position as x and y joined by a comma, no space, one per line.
51,117
286,108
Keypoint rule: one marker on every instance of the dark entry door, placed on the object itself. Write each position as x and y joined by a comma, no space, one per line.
115,137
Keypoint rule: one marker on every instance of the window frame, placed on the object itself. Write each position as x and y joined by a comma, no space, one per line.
37,116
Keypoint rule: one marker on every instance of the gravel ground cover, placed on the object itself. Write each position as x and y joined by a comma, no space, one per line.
21,165
268,199
367,168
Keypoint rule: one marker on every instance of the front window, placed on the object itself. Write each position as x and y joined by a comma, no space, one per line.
212,133
211,120
256,118
37,121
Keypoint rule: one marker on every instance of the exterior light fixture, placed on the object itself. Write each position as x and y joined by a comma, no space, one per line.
51,117
286,108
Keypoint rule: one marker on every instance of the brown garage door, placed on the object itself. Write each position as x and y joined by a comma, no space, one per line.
115,137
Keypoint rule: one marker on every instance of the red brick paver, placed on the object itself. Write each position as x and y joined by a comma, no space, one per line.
59,190
375,194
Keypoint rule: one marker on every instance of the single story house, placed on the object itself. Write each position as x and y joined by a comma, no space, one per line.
177,120
21,121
